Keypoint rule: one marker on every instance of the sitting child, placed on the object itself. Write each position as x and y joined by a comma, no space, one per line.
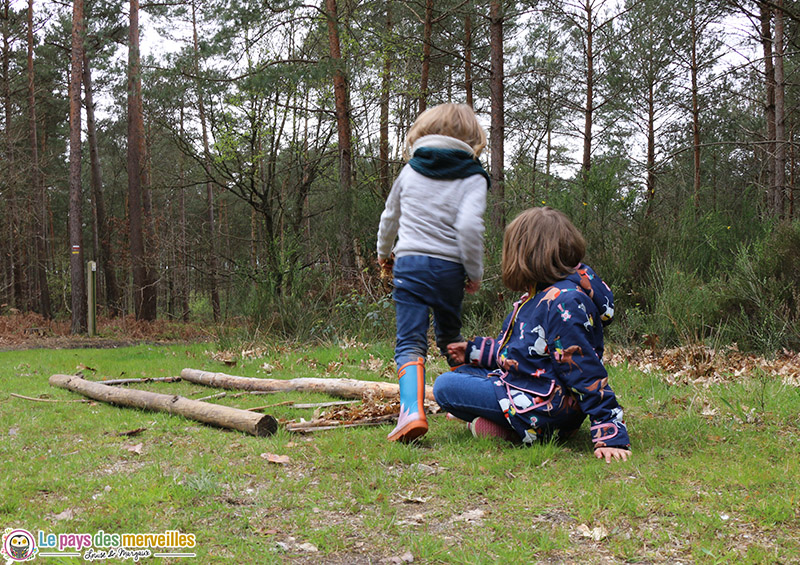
545,371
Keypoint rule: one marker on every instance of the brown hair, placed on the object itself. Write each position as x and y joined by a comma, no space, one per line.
542,246
453,120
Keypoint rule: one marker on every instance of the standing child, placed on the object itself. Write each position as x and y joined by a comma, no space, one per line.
435,211
545,370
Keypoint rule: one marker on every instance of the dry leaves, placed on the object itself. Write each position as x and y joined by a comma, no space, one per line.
67,514
411,499
373,364
470,516
291,545
698,364
19,331
254,353
407,557
231,358
135,449
597,533
417,519
228,357
276,459
348,343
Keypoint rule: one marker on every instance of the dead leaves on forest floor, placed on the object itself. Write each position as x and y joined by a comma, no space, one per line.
701,365
20,331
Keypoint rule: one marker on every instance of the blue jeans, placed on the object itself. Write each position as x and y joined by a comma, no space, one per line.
467,393
422,284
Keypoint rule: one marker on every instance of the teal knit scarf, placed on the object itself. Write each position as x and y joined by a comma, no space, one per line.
447,164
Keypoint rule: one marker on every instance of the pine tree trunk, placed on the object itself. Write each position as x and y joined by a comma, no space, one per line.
695,109
104,248
143,285
183,252
651,149
12,223
41,294
498,110
77,275
148,219
342,101
211,221
779,194
468,55
427,33
769,108
385,180
588,110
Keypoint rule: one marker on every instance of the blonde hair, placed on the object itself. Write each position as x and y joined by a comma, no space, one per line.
541,245
452,120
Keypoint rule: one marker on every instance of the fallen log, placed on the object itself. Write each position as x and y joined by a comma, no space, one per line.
344,388
217,415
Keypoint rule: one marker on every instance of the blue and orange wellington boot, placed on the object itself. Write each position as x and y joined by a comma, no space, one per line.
412,422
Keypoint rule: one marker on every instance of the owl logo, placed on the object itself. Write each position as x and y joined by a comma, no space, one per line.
18,545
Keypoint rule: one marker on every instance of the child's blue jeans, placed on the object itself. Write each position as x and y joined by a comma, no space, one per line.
422,284
467,393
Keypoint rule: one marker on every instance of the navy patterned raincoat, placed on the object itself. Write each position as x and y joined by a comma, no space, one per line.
547,362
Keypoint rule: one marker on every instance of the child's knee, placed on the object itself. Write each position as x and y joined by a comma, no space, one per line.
442,387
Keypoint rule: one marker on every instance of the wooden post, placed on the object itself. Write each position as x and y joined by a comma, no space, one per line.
91,289
222,416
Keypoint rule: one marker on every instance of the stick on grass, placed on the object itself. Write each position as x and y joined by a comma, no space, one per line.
15,395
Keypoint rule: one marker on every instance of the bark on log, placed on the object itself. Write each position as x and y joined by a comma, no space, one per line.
222,416
343,388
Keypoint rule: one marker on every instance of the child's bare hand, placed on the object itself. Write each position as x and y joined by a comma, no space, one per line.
472,286
609,453
457,351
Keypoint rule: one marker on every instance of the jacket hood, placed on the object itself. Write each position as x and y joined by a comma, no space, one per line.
597,289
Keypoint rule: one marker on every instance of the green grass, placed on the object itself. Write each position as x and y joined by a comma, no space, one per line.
714,478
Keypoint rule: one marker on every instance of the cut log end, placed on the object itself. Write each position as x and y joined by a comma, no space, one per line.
266,426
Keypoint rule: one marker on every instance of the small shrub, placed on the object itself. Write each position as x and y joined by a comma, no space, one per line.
684,308
763,300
